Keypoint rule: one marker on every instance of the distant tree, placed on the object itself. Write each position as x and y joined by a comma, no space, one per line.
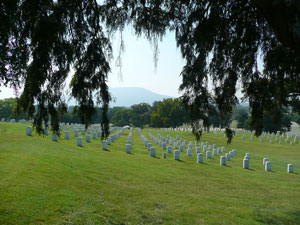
140,114
7,109
169,113
216,119
112,111
121,117
297,119
241,116
270,124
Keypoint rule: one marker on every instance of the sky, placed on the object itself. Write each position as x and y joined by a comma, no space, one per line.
138,67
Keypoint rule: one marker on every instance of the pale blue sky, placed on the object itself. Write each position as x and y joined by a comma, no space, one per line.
138,67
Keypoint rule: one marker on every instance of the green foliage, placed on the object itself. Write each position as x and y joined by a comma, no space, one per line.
8,109
221,42
216,119
241,116
270,124
41,41
168,113
297,119
229,134
121,117
140,114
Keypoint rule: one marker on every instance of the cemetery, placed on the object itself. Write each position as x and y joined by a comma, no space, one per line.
149,176
218,144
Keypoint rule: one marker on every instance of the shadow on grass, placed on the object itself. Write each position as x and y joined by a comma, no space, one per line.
228,166
180,160
288,218
130,153
107,150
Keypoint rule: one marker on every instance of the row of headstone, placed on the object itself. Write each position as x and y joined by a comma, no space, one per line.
129,142
111,139
145,140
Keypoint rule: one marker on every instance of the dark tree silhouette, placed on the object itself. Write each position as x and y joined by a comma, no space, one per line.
221,41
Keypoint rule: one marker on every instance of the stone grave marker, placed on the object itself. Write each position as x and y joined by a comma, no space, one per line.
177,155
222,160
290,168
79,141
28,131
128,148
152,151
199,158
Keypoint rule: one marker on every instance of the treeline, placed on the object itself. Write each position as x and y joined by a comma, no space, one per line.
165,113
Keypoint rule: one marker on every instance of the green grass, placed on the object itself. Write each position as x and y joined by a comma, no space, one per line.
44,182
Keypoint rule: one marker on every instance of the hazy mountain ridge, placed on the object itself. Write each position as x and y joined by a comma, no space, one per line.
128,96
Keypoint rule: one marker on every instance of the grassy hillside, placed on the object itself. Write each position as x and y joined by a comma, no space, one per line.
44,182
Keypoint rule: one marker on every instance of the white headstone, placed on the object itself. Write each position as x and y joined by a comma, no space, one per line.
67,135
88,138
265,160
215,152
152,151
199,158
108,141
246,163
79,141
227,157
220,150
223,161
54,137
181,148
164,155
164,145
268,166
290,168
208,155
189,152
169,149
104,145
175,145
128,148
29,131
177,155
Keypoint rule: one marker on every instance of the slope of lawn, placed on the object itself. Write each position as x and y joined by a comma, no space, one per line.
44,182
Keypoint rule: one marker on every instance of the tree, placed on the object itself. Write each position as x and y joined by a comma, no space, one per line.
297,120
241,116
218,120
140,114
7,108
283,125
121,117
168,113
220,41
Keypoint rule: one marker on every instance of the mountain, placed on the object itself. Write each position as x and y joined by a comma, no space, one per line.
128,96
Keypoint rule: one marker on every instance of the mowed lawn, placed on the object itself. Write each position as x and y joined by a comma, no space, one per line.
44,182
